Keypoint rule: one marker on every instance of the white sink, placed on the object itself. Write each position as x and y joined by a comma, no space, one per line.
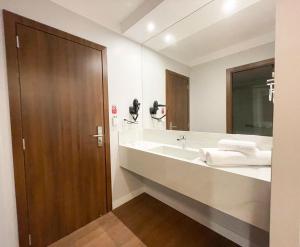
175,152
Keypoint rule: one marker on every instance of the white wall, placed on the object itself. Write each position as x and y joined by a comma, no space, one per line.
208,88
154,68
285,198
124,71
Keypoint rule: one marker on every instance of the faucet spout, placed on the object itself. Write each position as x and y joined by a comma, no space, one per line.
182,139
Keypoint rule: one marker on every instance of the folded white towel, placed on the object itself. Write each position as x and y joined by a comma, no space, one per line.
246,147
203,152
232,158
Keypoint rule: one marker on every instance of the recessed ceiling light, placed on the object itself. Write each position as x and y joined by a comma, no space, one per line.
150,27
169,38
229,6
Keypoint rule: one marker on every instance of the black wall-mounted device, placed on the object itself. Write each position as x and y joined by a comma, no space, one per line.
134,111
154,109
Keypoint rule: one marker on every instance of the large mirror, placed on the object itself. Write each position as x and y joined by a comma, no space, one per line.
213,70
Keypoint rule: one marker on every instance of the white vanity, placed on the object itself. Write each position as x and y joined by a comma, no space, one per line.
242,192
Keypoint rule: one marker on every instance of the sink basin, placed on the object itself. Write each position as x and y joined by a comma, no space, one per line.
175,152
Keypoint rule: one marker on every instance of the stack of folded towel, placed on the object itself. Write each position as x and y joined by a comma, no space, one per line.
235,153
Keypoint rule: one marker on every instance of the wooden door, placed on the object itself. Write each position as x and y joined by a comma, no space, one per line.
256,71
61,105
177,98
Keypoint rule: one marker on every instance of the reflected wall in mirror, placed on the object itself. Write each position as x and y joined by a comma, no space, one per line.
206,46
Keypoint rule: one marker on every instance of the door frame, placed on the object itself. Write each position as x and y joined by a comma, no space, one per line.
229,74
169,72
10,29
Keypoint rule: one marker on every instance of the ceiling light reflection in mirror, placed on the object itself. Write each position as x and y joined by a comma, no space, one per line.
150,27
229,6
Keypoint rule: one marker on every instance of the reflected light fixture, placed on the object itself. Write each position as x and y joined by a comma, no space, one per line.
229,6
169,38
150,27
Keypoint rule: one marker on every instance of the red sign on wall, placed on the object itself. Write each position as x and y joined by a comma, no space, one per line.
114,109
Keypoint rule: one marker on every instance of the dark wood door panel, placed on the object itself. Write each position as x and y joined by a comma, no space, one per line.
62,105
177,98
229,87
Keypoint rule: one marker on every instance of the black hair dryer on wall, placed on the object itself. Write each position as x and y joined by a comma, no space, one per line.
154,109
134,111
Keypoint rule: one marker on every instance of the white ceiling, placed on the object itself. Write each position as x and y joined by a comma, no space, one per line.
198,30
108,13
254,24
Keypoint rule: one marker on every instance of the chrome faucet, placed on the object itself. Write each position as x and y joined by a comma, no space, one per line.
182,139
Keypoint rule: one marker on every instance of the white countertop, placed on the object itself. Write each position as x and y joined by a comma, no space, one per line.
257,172
243,192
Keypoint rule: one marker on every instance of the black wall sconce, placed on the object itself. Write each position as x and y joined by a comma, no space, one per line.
154,109
134,112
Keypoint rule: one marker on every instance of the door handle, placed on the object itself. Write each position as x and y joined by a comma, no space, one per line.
99,136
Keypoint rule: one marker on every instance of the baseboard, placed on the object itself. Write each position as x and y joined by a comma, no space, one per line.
128,197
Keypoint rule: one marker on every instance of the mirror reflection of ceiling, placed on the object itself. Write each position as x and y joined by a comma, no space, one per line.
189,31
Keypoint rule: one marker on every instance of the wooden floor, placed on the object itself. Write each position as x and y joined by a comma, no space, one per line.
144,221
